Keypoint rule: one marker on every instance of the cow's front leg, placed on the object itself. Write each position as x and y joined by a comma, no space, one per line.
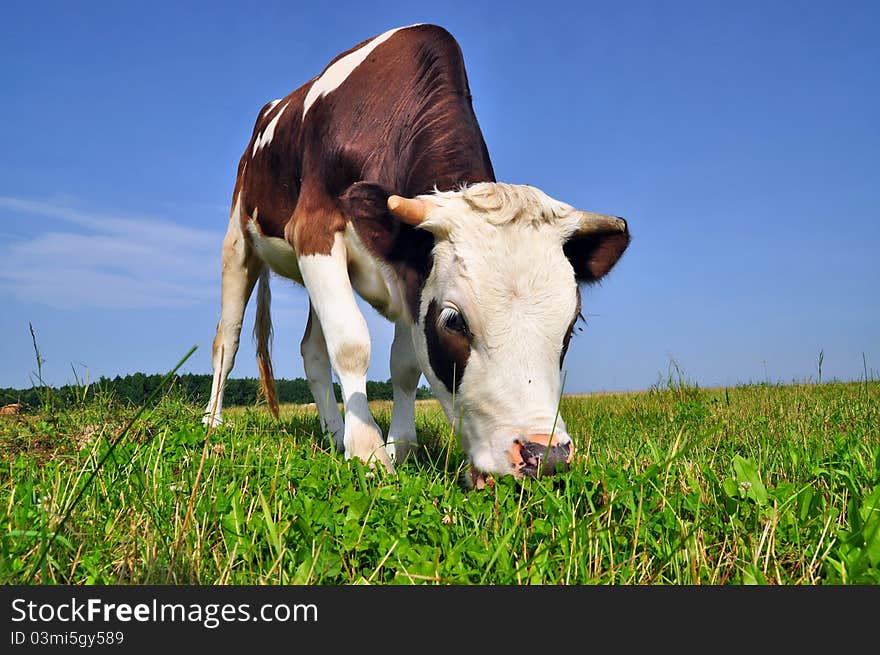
348,345
405,374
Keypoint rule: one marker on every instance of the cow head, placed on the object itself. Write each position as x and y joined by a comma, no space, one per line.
497,307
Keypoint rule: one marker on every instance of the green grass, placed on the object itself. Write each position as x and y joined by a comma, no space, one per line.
678,485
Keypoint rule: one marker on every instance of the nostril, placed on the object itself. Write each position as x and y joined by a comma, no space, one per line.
534,458
532,452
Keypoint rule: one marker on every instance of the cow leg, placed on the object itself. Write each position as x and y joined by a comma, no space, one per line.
241,268
348,345
405,374
316,364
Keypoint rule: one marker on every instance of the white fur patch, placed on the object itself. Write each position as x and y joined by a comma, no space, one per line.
276,252
234,300
375,281
272,106
499,259
348,345
266,135
337,73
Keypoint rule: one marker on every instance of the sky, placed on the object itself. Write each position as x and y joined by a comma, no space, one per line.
739,139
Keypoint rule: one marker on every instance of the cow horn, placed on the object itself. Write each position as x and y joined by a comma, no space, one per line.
591,223
411,211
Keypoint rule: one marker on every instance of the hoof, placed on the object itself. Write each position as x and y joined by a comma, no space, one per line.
399,450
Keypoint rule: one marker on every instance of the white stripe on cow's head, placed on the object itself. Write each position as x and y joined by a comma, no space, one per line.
497,309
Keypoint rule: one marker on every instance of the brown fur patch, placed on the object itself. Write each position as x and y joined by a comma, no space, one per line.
314,225
267,384
403,119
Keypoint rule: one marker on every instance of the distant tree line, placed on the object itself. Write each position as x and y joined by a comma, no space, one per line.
137,387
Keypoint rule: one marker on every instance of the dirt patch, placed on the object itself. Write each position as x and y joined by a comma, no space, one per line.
12,409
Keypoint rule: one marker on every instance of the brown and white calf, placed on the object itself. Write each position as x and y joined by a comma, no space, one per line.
374,178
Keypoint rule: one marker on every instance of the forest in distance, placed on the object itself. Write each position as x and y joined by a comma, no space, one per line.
136,388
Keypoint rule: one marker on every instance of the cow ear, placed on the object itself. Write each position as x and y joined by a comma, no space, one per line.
406,248
366,201
365,205
594,248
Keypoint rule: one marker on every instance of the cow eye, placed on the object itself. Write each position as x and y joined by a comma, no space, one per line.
452,320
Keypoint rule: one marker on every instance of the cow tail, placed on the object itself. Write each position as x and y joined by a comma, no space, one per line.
263,337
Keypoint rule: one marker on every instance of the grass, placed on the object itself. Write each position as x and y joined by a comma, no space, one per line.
677,485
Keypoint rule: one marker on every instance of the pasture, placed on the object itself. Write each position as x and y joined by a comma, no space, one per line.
676,485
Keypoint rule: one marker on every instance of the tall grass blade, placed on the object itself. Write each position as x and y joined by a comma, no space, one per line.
100,463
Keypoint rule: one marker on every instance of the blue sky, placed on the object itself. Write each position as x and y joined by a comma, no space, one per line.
740,139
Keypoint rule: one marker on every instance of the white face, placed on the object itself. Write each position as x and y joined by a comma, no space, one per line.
496,313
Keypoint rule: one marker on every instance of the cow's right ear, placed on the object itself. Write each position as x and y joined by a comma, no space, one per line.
366,201
365,205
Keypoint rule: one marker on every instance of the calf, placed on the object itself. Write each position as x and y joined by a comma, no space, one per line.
374,178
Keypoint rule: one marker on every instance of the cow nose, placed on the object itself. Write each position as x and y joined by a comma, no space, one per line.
539,454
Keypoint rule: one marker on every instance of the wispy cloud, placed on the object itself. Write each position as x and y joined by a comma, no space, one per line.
110,261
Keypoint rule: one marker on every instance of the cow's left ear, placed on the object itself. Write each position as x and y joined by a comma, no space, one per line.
594,248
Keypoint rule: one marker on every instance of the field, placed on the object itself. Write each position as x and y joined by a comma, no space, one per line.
676,485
